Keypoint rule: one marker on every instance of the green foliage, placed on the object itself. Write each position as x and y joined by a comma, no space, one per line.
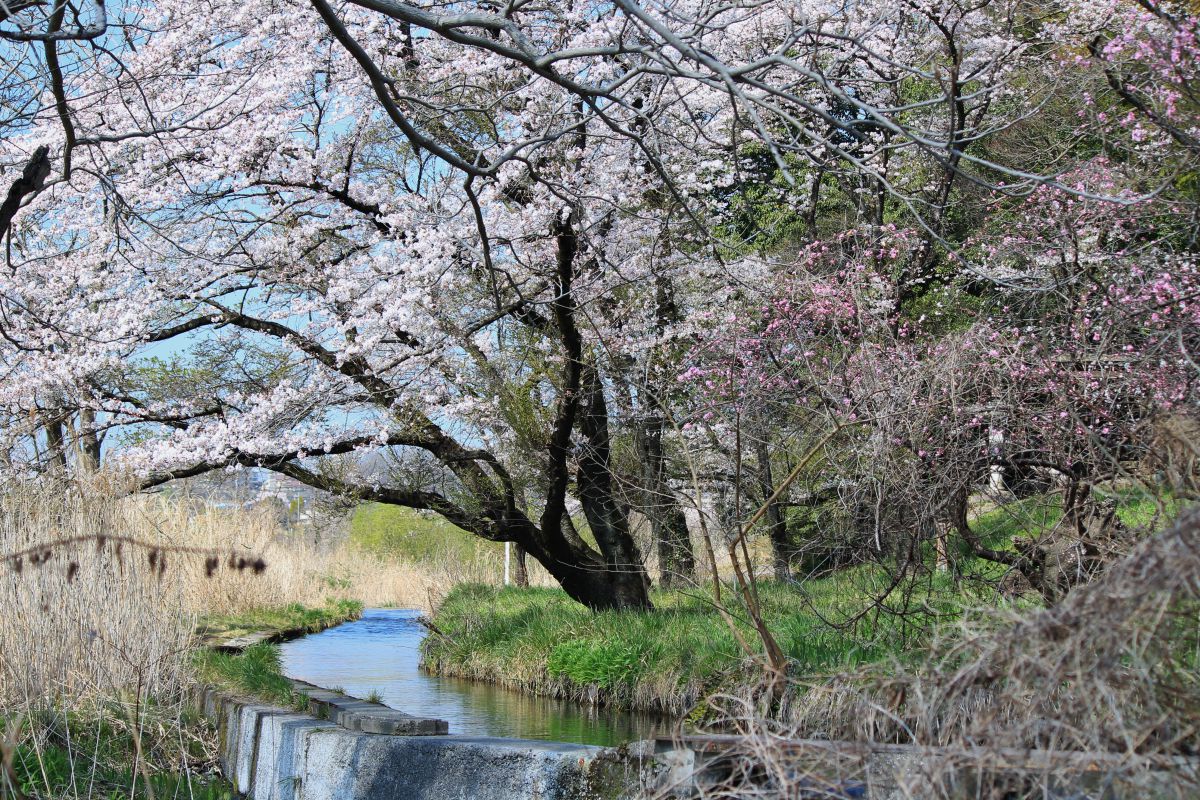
593,661
405,533
337,583
212,367
943,308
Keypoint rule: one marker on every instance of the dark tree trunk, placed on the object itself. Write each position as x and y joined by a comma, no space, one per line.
89,442
607,518
56,442
615,577
521,572
781,544
668,525
1028,560
674,540
600,582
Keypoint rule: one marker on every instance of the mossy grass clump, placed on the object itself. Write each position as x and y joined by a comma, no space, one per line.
255,671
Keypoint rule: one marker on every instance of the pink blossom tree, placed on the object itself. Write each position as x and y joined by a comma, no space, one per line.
480,234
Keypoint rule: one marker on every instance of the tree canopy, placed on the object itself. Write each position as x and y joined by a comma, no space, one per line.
562,261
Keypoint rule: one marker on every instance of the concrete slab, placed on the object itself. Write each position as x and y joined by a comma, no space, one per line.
280,760
356,714
445,767
273,753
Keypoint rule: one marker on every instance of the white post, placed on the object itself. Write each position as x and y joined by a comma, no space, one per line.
995,450
507,560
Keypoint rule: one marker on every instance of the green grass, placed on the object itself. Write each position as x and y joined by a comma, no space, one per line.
94,757
50,775
1032,516
413,535
255,672
540,640
295,617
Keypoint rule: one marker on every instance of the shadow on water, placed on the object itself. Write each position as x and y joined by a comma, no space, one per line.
381,652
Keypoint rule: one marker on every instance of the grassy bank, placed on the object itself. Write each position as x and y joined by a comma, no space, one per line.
255,672
539,640
290,620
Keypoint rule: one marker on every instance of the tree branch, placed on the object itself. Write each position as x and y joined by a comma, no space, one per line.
33,178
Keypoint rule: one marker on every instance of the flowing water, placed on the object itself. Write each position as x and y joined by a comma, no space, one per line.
381,653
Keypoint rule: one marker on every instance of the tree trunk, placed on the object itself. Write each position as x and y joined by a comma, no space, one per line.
781,544
56,441
521,573
675,556
89,442
668,525
624,571
587,577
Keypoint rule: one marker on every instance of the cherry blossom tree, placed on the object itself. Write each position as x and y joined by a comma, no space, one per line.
281,235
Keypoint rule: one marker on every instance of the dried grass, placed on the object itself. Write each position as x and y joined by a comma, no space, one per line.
105,616
1097,696
100,594
85,621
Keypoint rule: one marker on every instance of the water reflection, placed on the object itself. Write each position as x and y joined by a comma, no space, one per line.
381,653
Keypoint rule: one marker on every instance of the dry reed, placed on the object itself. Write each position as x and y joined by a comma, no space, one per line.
101,591
1096,696
115,606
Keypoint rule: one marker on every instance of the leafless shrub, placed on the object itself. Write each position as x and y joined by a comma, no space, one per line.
1095,696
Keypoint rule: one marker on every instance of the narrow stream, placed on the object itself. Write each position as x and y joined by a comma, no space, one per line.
381,652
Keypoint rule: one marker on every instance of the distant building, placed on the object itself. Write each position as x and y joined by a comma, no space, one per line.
293,502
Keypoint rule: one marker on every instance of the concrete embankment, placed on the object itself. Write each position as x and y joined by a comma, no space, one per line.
273,753
351,749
